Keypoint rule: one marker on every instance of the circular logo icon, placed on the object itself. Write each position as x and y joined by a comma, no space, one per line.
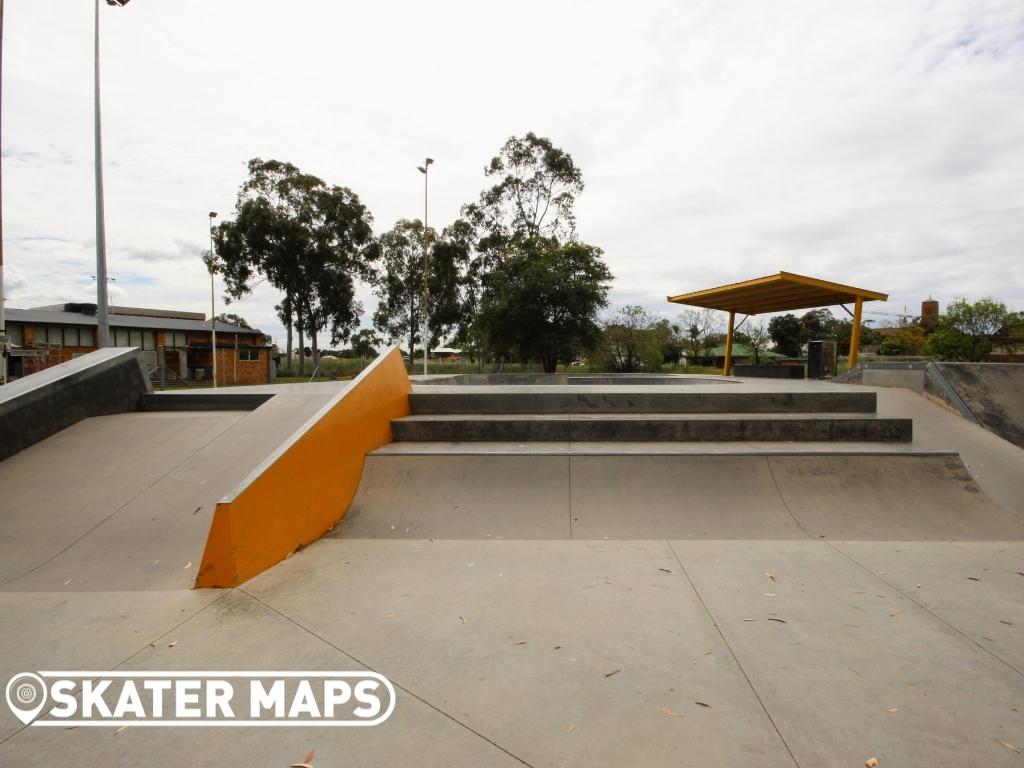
26,695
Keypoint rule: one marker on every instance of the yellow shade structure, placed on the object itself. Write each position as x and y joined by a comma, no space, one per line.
780,293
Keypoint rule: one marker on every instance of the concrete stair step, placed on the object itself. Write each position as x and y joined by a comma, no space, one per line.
660,427
619,400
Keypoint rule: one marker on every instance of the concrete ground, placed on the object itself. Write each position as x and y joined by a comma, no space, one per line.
647,648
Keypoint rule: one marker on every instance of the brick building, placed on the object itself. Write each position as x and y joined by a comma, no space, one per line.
176,346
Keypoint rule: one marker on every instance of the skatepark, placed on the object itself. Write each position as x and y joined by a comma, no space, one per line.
670,571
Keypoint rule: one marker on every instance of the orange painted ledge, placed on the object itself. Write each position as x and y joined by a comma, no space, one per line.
307,485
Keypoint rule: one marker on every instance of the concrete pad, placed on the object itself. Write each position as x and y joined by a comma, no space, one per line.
661,497
84,630
852,648
58,490
239,633
891,498
565,653
151,534
975,586
466,497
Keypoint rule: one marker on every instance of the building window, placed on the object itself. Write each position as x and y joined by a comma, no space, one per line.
85,337
121,337
134,338
148,340
38,334
70,337
14,331
249,354
55,335
174,339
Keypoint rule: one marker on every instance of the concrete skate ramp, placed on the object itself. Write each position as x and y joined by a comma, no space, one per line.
106,381
868,497
125,501
994,394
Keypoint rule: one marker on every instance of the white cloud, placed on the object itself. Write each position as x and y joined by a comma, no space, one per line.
870,143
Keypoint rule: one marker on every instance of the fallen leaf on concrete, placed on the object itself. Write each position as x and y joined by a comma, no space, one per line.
187,566
462,619
613,672
1007,623
389,616
701,704
123,727
172,643
666,570
670,713
1020,573
519,642
558,647
893,709
770,575
986,637
768,594
570,728
197,511
971,578
781,621
1010,747
750,619
307,763
67,582
152,645
871,762
895,612
470,565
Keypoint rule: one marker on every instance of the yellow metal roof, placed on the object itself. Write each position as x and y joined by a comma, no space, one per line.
776,293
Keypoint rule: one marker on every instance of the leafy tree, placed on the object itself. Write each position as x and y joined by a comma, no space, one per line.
629,342
699,330
535,191
232,319
757,338
309,239
968,330
670,342
364,343
788,334
400,286
542,301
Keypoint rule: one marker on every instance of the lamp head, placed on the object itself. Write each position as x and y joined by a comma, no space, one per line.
430,161
213,214
421,169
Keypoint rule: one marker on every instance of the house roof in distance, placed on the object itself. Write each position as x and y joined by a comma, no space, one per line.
776,293
123,317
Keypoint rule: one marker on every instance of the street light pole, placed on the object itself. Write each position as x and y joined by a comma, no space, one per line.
213,311
3,322
102,318
426,266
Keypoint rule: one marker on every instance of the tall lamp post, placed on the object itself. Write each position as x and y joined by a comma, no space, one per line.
3,323
426,265
213,310
102,319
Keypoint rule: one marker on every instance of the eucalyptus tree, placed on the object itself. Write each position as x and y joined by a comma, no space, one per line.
309,239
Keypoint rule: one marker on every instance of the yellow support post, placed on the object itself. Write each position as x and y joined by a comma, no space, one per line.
727,369
855,332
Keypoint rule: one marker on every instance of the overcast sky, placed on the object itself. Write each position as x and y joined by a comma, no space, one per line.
877,144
